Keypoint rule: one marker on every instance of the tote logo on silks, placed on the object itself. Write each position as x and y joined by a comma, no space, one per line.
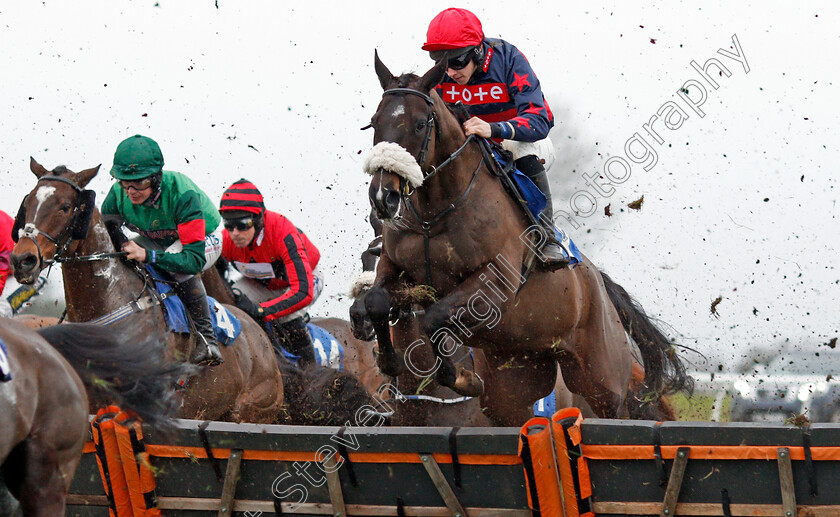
5,367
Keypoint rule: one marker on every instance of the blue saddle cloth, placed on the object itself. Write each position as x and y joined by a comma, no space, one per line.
5,366
225,324
546,406
328,351
536,202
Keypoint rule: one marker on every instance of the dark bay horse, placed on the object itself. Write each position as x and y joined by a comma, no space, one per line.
44,406
449,224
60,225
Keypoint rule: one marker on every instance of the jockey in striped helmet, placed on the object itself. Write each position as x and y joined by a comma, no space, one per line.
279,264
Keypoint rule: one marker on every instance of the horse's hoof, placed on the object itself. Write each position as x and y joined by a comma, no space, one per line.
468,384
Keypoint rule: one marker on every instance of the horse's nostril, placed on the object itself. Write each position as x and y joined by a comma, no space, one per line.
392,200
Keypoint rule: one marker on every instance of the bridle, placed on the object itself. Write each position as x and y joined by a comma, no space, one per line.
62,242
431,125
406,191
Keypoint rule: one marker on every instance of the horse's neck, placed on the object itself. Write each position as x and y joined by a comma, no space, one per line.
97,287
448,185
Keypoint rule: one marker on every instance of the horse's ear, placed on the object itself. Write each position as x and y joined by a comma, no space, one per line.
82,178
385,75
433,77
37,169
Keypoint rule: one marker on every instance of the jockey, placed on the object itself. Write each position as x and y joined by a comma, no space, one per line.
279,264
494,81
178,226
6,245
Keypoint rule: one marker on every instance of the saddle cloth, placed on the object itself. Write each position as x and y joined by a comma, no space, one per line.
545,406
328,351
226,326
536,202
5,366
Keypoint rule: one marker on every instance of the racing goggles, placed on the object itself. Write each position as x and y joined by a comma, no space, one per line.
242,224
456,62
136,184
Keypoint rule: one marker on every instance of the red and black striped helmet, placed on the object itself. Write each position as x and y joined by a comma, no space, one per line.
242,196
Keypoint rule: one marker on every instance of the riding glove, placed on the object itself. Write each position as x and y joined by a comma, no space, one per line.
254,310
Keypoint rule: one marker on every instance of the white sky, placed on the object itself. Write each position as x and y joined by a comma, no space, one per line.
277,94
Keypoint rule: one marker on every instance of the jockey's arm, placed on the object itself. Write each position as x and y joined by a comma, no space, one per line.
532,121
301,283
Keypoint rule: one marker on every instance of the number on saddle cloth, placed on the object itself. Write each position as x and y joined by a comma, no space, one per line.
546,406
329,352
5,366
226,326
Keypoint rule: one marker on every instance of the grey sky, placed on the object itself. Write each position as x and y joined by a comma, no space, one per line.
742,203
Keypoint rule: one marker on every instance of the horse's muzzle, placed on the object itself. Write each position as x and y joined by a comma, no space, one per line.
360,324
385,201
26,267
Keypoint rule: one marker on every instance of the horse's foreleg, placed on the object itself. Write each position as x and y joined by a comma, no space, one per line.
454,319
378,306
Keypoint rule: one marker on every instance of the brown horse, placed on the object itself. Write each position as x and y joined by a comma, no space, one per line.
450,225
60,224
44,406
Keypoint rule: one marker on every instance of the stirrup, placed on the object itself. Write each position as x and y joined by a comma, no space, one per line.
209,356
551,261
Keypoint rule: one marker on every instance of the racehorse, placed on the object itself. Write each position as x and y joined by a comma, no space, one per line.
450,224
44,405
59,224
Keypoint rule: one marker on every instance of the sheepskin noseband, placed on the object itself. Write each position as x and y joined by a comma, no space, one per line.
393,157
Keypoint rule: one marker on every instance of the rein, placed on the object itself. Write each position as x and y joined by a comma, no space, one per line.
405,192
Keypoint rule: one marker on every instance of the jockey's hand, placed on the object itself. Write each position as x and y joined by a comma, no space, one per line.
135,251
253,310
476,126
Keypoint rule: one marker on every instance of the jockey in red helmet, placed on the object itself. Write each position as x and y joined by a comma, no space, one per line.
494,81
279,264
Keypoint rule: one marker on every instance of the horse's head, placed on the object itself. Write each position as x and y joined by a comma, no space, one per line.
52,219
406,129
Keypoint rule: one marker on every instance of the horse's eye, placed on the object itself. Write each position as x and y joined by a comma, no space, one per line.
65,207
420,126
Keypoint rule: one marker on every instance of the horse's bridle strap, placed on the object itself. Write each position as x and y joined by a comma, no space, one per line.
130,308
431,123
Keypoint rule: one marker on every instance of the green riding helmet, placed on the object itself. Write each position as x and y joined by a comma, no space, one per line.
137,157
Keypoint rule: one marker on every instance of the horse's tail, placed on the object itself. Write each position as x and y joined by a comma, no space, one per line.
120,364
664,370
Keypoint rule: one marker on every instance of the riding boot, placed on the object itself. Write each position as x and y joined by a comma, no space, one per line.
298,341
194,296
554,255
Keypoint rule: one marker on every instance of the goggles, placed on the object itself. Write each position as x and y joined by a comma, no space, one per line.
136,184
242,224
456,62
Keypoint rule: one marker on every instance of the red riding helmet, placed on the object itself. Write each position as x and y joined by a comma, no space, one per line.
453,28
